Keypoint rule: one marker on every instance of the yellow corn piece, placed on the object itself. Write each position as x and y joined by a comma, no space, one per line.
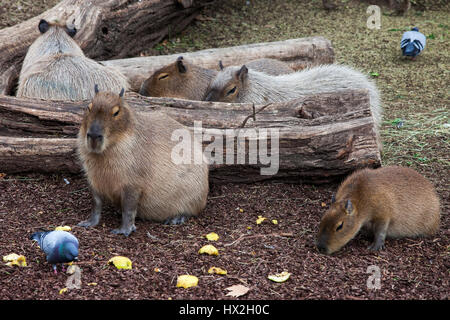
121,262
187,281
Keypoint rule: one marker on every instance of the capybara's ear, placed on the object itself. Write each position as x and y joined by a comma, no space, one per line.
122,92
241,74
96,88
71,31
181,67
220,65
349,207
43,26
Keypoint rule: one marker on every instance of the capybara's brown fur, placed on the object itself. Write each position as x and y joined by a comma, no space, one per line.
391,202
55,68
185,80
127,158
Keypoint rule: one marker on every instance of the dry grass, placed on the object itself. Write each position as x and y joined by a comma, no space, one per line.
13,12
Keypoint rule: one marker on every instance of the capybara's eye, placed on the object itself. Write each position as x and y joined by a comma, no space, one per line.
339,227
231,91
115,111
163,76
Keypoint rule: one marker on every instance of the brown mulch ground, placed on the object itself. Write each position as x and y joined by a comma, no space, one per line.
410,268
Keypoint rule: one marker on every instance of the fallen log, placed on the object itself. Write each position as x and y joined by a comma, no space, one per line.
297,53
38,155
320,137
106,29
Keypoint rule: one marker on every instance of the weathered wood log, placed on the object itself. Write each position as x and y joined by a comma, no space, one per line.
321,137
38,154
297,53
106,29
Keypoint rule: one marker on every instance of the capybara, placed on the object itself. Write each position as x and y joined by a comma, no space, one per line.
185,80
391,202
127,160
55,68
241,84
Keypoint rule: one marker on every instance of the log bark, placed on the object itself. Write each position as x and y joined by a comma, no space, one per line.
38,154
321,137
106,29
297,53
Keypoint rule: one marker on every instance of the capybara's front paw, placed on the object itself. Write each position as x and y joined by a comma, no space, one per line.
126,231
376,246
87,223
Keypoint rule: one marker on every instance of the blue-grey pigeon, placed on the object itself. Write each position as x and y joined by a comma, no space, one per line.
59,246
413,42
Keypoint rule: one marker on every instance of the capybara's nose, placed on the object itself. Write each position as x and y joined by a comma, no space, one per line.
95,135
321,247
209,96
95,131
143,89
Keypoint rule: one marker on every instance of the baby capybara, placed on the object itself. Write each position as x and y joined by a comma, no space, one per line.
391,202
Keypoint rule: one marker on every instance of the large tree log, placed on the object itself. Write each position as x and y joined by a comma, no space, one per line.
107,29
297,53
321,137
38,154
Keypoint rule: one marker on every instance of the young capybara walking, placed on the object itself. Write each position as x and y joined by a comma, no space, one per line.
55,68
391,202
127,160
185,80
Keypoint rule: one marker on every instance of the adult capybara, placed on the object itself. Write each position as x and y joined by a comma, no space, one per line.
127,158
55,68
241,84
184,80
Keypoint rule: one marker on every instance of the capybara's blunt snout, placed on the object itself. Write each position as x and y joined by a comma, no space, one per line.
143,90
95,136
209,97
321,245
212,95
322,248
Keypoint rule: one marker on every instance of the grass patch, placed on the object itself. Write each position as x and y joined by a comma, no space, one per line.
422,140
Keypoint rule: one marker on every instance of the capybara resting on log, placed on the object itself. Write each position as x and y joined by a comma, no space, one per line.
241,84
184,80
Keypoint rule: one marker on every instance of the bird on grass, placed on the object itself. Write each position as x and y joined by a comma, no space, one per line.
59,246
413,42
